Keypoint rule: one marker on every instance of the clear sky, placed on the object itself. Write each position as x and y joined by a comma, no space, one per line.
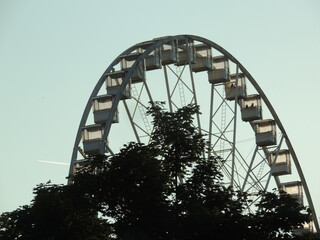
53,52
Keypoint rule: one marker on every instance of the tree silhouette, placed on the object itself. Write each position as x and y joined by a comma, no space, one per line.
163,190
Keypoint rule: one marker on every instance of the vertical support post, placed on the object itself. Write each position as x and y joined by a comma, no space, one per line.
210,119
234,126
194,92
167,87
193,86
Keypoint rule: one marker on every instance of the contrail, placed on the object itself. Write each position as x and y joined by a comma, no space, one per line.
57,163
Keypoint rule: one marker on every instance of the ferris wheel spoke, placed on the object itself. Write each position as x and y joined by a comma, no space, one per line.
131,122
183,84
222,134
235,126
210,120
255,180
224,101
249,169
167,88
175,73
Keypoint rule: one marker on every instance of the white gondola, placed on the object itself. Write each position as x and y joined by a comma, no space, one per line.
251,108
186,52
203,58
280,162
294,189
92,138
153,60
220,71
113,83
127,62
102,109
169,53
265,131
231,90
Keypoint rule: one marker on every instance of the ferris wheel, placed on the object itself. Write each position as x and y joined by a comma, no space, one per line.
237,119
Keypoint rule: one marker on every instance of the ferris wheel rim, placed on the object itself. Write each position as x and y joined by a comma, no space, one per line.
157,43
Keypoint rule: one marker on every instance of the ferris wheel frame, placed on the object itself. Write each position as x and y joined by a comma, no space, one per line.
152,46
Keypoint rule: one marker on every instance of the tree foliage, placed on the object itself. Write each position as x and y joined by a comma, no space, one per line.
166,189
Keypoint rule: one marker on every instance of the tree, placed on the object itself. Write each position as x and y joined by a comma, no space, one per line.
309,236
163,190
56,212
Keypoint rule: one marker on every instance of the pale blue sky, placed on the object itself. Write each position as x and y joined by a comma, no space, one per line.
53,52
